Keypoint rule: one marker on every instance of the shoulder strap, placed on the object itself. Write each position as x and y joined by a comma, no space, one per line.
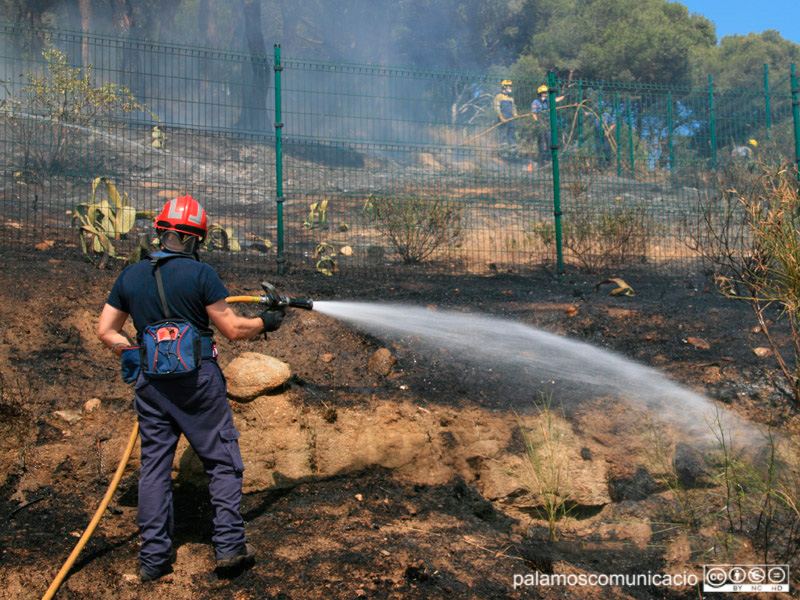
155,261
156,258
161,294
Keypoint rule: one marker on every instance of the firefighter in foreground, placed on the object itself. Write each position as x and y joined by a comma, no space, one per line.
174,296
506,112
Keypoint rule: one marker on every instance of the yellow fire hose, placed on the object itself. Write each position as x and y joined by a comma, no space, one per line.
96,519
249,299
582,106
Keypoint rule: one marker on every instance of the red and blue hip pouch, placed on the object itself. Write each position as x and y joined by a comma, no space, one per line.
168,349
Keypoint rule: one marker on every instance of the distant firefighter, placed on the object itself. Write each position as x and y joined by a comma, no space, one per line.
745,151
540,109
506,112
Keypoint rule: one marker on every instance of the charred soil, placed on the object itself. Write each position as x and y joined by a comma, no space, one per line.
381,531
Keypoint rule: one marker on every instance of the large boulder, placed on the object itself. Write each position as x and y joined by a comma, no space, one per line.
252,374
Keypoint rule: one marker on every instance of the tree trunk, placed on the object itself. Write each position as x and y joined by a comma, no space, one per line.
85,9
31,13
123,17
130,71
253,115
207,27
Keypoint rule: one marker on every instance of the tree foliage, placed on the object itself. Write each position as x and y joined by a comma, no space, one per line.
635,40
741,58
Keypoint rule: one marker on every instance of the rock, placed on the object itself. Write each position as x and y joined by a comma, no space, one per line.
170,193
70,416
698,343
690,468
381,362
44,246
252,374
637,486
499,480
91,405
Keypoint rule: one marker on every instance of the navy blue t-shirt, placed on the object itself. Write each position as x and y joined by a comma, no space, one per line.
189,286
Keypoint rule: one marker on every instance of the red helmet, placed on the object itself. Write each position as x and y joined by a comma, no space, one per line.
184,215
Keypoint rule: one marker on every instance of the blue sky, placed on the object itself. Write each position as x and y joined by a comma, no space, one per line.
740,17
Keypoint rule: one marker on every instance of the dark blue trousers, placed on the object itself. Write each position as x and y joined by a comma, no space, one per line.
196,406
508,133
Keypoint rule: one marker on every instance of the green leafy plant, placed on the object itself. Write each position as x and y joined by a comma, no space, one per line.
326,261
56,111
317,215
100,223
221,238
417,228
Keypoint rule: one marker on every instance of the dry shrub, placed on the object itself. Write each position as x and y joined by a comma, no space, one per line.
599,237
751,235
417,228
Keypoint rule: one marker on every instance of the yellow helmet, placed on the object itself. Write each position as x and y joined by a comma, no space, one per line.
753,143
542,89
506,83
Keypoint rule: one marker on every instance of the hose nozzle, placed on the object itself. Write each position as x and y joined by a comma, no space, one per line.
274,300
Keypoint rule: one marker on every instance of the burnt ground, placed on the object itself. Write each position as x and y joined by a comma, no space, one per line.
371,533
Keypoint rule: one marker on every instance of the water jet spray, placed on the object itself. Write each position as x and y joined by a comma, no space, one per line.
529,360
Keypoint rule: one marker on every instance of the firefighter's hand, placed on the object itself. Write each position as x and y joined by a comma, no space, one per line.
272,319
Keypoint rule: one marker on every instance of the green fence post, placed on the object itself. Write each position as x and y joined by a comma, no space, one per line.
580,114
281,258
712,122
601,143
551,93
796,117
670,129
619,139
630,139
767,110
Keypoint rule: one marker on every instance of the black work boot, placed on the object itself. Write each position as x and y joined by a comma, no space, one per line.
231,565
146,574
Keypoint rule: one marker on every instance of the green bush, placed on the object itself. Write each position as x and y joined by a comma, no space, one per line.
417,228
55,113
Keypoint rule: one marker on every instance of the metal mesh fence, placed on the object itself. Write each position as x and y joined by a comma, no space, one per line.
368,167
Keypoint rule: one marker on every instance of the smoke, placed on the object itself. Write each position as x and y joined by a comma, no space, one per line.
214,90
